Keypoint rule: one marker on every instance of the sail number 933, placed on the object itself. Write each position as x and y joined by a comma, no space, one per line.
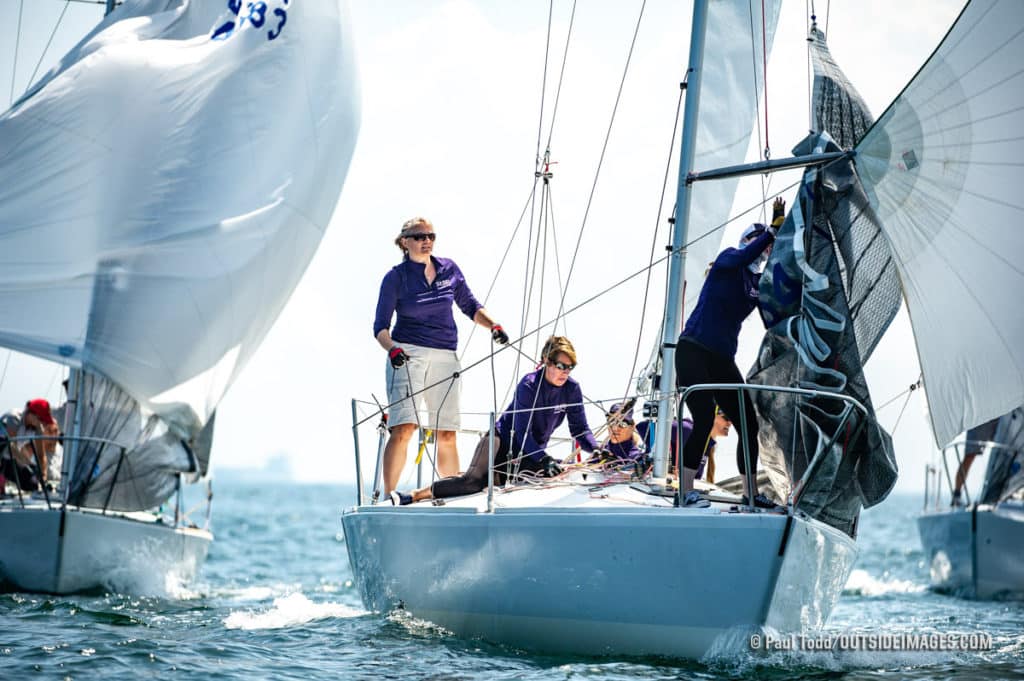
258,14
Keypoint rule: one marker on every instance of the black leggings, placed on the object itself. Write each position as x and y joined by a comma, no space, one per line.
696,364
475,477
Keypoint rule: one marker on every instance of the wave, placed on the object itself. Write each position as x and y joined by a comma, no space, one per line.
289,611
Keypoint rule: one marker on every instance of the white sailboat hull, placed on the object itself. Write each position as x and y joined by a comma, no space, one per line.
612,580
976,552
47,551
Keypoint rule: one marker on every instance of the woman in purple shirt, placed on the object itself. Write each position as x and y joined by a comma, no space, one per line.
544,398
706,351
422,368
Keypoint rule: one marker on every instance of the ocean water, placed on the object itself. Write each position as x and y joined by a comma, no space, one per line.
275,600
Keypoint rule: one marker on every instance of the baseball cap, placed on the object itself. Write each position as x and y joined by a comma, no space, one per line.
41,408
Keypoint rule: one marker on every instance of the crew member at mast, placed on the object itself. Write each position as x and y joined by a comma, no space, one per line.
706,352
422,368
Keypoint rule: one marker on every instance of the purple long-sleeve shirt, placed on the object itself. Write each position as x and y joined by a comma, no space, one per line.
424,310
529,431
627,450
728,297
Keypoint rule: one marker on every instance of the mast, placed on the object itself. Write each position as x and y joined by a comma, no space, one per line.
677,261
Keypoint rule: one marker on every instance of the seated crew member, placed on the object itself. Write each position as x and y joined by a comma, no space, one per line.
543,399
624,445
26,460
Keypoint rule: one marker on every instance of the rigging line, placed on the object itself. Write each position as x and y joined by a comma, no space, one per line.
910,394
504,257
600,161
809,67
757,99
543,257
39,63
764,63
561,74
17,44
543,88
554,242
532,269
913,386
654,238
549,203
6,363
828,13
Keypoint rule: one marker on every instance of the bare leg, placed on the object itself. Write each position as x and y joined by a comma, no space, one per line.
447,454
422,494
395,454
961,473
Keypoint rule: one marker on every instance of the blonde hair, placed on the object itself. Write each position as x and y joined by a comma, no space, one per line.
555,345
408,225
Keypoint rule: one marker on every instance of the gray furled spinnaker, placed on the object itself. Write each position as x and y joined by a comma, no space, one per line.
828,294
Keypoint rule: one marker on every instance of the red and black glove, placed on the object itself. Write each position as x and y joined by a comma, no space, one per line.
397,356
499,335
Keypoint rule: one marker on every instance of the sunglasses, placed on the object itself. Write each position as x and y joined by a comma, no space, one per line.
562,365
421,236
621,423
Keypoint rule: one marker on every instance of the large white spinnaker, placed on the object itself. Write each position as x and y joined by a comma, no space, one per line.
163,189
943,169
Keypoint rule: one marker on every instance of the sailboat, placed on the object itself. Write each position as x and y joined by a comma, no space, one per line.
164,187
606,565
975,548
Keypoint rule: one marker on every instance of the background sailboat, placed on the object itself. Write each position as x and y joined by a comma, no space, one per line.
164,188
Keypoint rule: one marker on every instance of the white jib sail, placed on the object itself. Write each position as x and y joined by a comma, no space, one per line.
943,168
164,187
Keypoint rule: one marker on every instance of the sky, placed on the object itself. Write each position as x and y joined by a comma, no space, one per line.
451,99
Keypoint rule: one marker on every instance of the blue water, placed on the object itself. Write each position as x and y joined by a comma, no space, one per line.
275,600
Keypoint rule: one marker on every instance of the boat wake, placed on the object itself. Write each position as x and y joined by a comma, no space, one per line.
862,583
289,611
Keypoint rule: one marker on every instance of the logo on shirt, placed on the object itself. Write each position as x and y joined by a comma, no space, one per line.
444,283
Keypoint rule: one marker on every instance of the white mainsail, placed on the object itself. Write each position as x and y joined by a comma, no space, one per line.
164,187
733,82
943,167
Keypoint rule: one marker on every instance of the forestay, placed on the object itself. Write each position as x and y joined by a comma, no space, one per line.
164,187
942,168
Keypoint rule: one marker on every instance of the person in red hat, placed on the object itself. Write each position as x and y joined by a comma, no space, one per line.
37,420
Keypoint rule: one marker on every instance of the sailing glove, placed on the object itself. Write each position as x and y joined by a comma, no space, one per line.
549,467
778,214
397,356
499,335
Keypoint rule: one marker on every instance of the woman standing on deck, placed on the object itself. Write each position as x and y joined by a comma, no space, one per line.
422,365
706,352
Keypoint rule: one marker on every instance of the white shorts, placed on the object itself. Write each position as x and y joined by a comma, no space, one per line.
439,405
